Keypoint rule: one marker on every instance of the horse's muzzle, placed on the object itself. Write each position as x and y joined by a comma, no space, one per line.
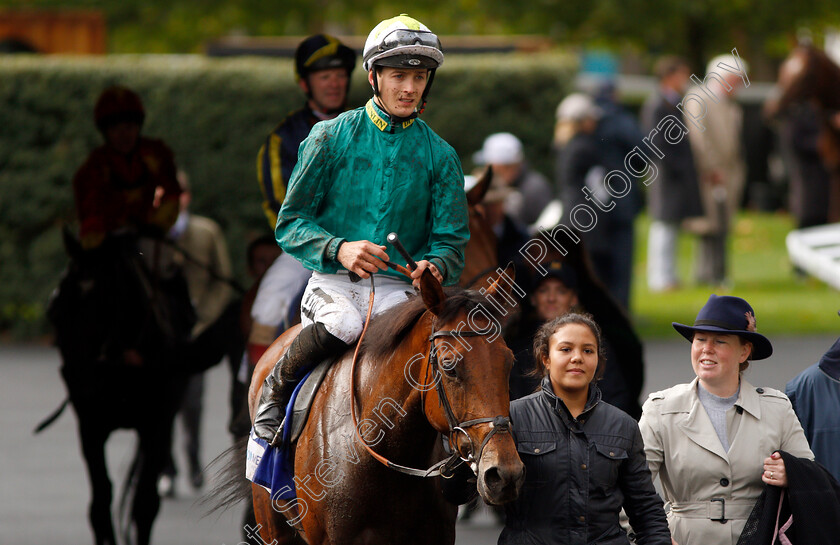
500,472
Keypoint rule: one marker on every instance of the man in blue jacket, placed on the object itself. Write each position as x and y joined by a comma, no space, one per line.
815,396
369,172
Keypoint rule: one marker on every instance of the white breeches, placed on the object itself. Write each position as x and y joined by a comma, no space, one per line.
342,305
280,286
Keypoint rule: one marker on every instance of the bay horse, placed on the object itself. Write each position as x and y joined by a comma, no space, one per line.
433,365
481,256
120,329
809,75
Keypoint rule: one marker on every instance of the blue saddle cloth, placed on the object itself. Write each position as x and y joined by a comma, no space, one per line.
273,468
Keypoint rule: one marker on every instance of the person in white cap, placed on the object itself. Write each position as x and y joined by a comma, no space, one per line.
532,192
368,172
580,182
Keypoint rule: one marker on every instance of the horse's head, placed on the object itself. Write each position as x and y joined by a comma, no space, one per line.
480,255
467,381
806,74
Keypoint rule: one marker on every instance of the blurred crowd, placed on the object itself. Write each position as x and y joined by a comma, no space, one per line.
682,159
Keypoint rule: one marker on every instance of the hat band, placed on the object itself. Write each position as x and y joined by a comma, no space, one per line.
716,323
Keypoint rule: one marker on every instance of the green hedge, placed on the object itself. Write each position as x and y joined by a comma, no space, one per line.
214,113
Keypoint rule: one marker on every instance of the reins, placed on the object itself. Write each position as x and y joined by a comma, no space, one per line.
444,467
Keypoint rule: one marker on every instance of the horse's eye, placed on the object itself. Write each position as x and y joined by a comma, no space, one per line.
447,366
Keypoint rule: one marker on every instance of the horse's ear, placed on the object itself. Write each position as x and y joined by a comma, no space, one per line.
431,292
476,193
504,283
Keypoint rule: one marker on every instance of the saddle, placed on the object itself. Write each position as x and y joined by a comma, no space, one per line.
273,468
302,399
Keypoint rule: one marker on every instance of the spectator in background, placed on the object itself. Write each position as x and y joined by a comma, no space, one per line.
815,396
606,134
580,170
203,256
568,286
503,151
674,195
583,160
719,156
618,133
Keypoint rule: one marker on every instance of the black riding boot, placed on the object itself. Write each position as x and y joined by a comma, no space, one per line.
310,347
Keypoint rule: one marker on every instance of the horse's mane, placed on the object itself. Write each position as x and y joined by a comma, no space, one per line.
387,330
828,78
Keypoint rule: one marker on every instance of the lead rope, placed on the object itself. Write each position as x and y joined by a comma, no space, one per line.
433,471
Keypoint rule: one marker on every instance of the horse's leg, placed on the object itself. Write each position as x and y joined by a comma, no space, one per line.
153,449
93,448
272,527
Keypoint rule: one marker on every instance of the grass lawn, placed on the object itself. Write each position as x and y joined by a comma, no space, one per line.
760,272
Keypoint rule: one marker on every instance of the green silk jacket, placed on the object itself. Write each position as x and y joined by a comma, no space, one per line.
360,177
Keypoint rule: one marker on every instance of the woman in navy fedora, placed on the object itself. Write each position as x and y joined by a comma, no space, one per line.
714,442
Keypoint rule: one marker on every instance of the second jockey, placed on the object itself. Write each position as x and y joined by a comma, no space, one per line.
323,66
360,176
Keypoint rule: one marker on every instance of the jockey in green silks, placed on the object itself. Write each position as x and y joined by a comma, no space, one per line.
360,176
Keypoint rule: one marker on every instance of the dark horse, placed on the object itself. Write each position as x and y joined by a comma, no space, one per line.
809,75
120,328
433,365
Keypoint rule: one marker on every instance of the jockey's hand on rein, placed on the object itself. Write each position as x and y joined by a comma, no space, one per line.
362,257
418,272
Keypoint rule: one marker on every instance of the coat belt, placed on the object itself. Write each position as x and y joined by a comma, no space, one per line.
714,509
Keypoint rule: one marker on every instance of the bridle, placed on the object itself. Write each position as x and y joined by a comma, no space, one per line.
445,467
498,424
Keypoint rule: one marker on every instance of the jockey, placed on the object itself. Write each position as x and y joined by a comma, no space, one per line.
323,66
115,187
366,173
129,185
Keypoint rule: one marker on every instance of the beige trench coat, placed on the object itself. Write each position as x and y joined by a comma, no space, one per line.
718,148
699,480
204,241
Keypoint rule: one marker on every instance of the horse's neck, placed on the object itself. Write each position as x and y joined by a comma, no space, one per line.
828,84
392,397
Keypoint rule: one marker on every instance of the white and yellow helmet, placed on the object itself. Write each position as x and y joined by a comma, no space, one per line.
402,42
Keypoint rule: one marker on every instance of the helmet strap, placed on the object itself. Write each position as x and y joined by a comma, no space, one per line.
375,80
426,91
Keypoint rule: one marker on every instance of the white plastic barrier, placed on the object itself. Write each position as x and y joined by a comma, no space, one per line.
816,250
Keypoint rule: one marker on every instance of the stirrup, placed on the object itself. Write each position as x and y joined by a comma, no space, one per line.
278,435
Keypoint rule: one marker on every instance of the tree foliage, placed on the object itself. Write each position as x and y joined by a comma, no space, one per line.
697,29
